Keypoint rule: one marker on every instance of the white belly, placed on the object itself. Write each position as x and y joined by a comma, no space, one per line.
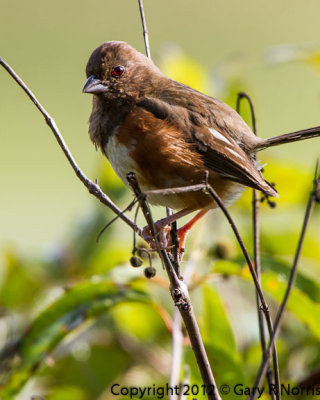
119,157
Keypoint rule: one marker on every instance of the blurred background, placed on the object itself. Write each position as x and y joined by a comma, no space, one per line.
49,222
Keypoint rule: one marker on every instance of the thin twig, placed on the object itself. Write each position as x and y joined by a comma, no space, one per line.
181,189
93,188
243,95
128,208
144,27
217,199
264,305
180,295
207,188
313,198
257,263
134,233
256,203
175,247
177,336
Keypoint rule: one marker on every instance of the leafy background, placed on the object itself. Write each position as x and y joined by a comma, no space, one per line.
94,320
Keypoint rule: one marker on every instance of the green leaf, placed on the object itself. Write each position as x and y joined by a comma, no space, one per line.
22,280
299,303
216,327
89,372
86,300
302,303
220,345
140,321
306,284
67,393
181,67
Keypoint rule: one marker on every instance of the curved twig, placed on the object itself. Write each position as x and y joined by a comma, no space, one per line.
181,298
92,187
313,198
257,263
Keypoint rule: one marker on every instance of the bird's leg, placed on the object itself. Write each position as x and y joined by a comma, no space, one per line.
185,229
162,229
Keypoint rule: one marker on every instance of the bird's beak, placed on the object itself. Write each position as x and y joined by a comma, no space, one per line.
94,85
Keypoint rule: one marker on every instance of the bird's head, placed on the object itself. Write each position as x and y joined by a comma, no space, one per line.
117,70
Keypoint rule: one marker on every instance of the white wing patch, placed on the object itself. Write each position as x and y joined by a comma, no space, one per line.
235,153
219,136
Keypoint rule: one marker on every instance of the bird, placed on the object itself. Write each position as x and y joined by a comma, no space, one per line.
169,134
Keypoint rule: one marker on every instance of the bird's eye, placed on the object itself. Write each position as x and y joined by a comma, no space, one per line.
117,71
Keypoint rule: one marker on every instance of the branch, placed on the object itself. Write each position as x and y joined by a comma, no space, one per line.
177,336
217,199
144,27
92,187
181,298
243,95
257,263
207,188
313,198
181,189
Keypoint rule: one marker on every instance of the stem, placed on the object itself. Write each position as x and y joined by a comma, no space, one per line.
144,27
93,188
217,199
243,95
259,310
314,197
207,188
257,263
180,295
177,335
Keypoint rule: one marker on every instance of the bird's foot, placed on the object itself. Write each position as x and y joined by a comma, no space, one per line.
163,228
185,229
162,240
182,236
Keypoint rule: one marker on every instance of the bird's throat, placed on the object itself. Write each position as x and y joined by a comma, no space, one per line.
105,118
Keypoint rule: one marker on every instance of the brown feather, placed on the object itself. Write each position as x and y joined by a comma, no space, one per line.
168,133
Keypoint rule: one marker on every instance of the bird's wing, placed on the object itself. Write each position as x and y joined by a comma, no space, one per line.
220,152
211,112
223,155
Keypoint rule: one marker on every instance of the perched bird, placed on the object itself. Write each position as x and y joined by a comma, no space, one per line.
169,134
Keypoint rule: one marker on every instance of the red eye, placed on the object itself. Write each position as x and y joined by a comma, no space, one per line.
118,71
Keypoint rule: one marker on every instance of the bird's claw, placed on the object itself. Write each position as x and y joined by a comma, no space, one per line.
163,239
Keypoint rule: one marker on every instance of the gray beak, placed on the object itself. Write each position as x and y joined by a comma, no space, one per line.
94,85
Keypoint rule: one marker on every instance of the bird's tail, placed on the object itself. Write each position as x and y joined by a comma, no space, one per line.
288,138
